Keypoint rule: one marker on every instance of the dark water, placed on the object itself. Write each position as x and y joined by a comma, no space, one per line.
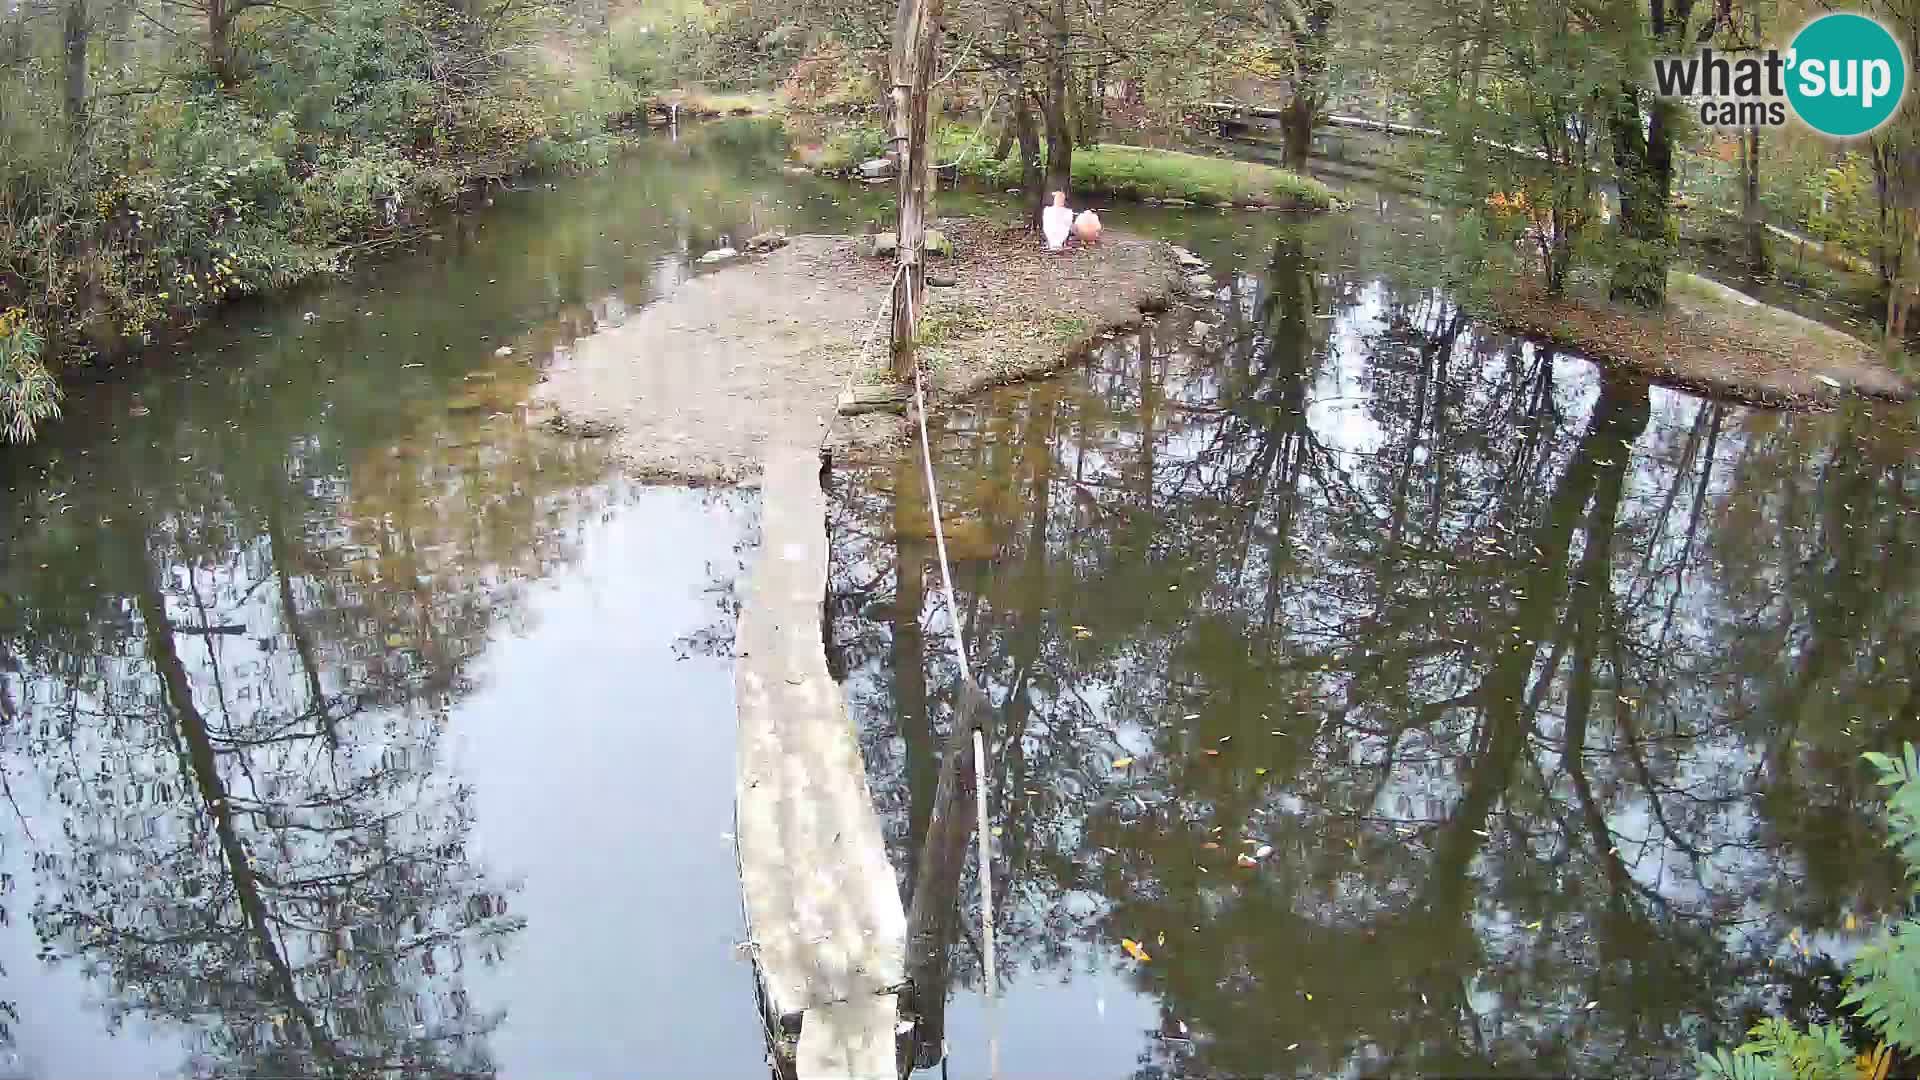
354,725
1545,688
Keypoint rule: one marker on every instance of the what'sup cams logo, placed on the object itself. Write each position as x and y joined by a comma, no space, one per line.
1843,75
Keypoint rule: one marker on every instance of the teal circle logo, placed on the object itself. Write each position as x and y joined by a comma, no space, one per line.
1846,75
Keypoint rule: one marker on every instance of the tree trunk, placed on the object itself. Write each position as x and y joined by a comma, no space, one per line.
1296,132
1053,108
76,63
1750,204
1031,187
916,30
220,42
1644,161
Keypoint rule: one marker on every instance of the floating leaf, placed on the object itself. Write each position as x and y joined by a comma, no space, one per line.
1260,772
1122,762
1134,950
395,641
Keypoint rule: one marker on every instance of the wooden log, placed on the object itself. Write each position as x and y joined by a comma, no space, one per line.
824,919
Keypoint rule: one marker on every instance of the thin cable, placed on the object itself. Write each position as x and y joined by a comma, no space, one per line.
933,502
986,898
967,689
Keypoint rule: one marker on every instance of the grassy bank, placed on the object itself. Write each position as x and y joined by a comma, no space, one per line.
1130,172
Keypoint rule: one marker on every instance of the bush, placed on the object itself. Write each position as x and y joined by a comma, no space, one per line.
1883,980
178,195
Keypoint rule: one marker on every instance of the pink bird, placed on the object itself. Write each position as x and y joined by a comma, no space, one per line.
1086,227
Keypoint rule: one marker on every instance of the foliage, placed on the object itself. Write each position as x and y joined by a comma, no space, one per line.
28,395
332,121
1883,980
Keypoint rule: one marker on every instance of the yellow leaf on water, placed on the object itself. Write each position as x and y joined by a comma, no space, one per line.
1161,939
1259,772
341,957
394,641
1134,950
1852,923
1123,762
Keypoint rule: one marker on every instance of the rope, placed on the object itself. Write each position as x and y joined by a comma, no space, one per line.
967,690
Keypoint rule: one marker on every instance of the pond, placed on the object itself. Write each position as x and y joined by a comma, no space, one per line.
352,723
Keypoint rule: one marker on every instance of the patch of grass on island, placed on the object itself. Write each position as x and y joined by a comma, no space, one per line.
1131,172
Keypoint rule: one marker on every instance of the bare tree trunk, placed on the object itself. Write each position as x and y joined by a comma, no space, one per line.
916,30
1053,108
75,34
1750,203
1031,187
220,42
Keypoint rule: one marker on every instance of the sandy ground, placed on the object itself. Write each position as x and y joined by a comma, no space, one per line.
694,386
1718,341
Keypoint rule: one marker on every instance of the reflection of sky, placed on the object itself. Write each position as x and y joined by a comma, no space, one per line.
600,756
602,759
62,1029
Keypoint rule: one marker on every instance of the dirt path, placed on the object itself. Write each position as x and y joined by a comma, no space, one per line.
694,386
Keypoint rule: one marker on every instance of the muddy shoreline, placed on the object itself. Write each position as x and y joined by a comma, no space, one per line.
1715,341
761,348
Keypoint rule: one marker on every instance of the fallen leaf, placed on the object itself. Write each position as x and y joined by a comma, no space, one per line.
1134,950
394,641
1265,850
1259,772
1211,846
1123,762
1247,860
1161,939
1213,753
1852,924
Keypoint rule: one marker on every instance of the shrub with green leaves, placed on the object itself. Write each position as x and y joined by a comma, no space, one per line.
1883,981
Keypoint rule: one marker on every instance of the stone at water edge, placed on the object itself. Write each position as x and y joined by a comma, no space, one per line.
1188,260
766,241
877,169
1201,283
887,243
718,255
942,281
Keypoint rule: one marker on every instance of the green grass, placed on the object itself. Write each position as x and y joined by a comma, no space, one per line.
1132,172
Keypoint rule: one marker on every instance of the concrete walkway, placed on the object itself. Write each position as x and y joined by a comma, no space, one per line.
823,913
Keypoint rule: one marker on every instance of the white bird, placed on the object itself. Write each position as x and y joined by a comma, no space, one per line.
1056,222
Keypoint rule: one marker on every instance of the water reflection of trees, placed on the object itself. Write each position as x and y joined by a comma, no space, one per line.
1545,686
226,661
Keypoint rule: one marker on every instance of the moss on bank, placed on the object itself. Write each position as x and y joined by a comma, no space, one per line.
1131,172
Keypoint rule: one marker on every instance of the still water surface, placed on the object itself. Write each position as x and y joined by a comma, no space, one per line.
352,724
